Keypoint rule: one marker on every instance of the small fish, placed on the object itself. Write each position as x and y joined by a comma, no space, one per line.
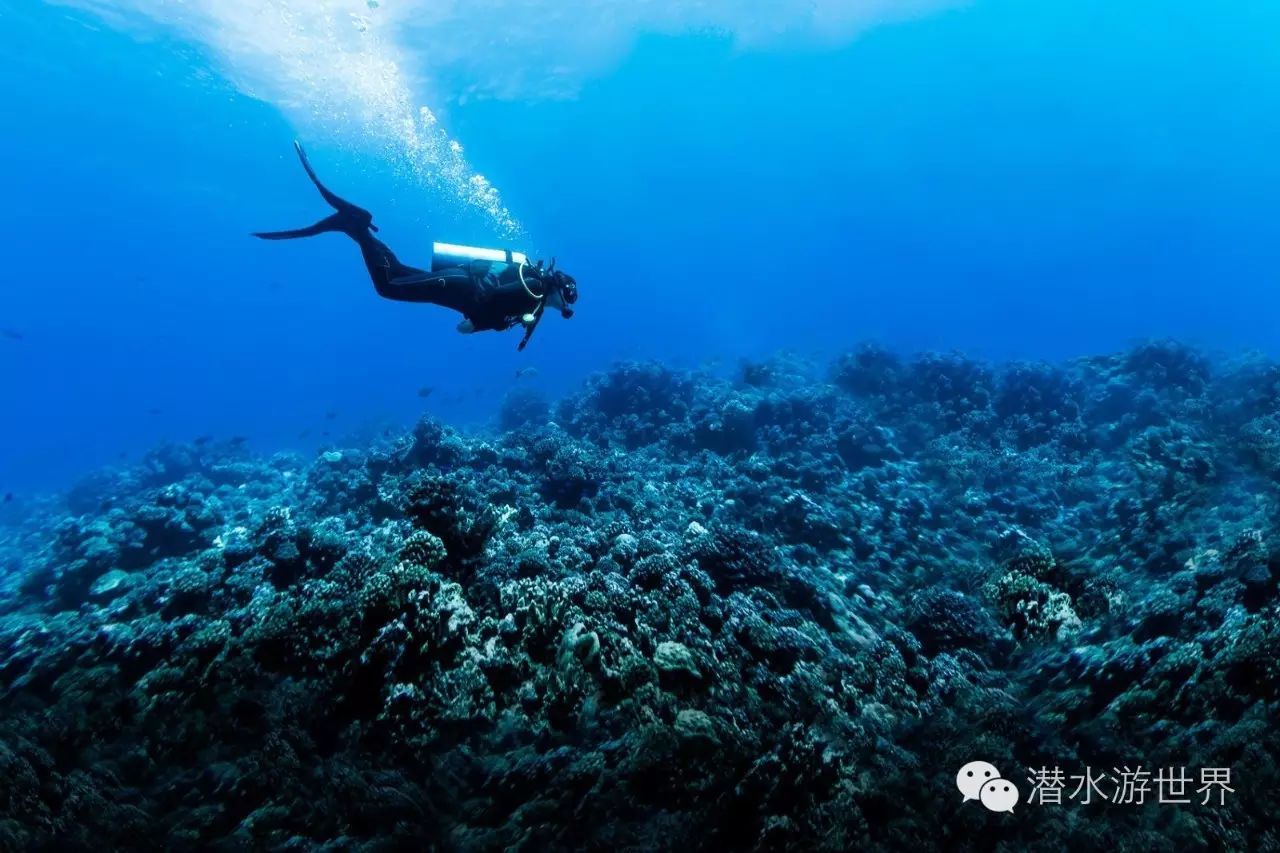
425,391
324,434
526,373
12,334
331,414
154,411
124,454
239,440
304,433
202,440
8,497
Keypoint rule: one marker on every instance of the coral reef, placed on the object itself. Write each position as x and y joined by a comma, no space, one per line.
670,611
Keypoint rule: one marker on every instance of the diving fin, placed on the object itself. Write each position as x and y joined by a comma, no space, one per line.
335,201
336,222
349,219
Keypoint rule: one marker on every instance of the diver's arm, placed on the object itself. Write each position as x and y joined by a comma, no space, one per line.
530,326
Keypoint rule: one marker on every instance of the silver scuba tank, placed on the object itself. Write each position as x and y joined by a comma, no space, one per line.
444,255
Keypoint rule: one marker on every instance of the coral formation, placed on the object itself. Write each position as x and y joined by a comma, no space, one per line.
669,612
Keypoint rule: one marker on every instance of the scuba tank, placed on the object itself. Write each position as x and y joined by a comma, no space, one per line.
450,256
445,255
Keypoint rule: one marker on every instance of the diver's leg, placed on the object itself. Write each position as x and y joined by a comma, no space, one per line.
451,288
385,268
392,279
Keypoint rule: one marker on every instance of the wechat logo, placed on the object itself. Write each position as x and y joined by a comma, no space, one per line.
980,780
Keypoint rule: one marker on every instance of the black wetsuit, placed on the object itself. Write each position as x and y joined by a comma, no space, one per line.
491,301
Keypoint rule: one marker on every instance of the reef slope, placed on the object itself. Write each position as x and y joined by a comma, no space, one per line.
671,611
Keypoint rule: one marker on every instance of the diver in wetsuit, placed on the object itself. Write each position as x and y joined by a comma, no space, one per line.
493,289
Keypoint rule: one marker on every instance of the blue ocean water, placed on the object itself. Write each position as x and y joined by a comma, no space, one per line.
1002,178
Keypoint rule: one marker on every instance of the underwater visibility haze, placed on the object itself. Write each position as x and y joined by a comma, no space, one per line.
894,465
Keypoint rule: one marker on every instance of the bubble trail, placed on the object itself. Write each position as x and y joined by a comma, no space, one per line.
330,66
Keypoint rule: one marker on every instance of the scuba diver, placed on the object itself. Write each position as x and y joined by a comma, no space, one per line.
493,289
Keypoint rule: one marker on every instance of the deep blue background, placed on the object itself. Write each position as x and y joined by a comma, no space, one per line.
1008,179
